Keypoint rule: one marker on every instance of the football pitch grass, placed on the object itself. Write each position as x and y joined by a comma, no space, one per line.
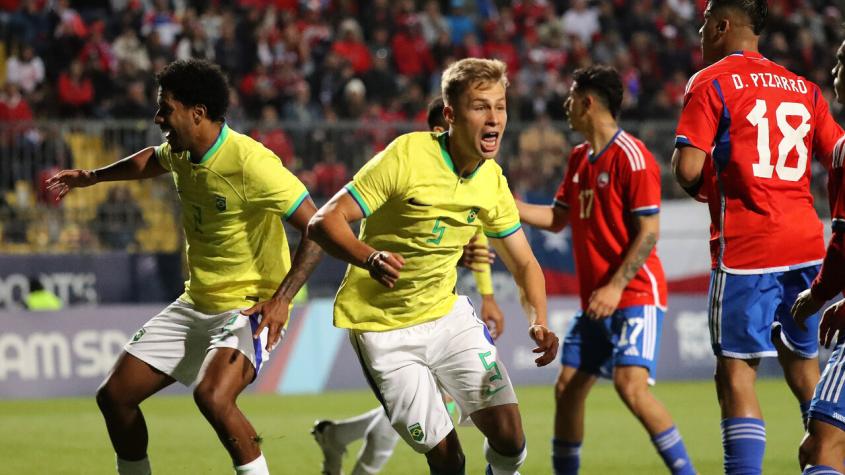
67,436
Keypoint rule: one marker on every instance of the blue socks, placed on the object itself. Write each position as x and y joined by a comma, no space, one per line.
566,457
744,442
819,470
670,446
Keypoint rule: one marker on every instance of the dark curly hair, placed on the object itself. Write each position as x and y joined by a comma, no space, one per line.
197,81
435,114
755,10
604,82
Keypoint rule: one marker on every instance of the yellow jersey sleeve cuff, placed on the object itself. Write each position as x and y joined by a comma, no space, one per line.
503,234
296,204
353,192
484,281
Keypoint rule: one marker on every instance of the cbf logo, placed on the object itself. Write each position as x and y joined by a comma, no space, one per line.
473,213
603,179
220,202
416,432
138,335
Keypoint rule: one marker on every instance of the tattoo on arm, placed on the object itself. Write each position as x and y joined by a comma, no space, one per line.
305,259
635,259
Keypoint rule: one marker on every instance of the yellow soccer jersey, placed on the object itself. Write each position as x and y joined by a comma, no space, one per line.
232,201
416,205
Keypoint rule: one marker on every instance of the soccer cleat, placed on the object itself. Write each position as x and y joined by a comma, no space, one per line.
332,450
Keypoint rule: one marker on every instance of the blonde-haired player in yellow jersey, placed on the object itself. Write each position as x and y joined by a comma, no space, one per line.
234,194
424,197
373,426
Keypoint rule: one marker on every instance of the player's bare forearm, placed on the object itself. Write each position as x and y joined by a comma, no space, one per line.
532,285
550,218
331,230
134,167
641,247
520,261
687,163
305,260
333,233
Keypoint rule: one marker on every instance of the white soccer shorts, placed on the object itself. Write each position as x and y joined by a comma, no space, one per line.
405,367
177,340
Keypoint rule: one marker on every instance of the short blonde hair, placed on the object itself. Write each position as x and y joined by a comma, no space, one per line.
464,73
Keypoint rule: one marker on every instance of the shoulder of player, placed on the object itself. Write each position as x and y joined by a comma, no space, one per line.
724,66
250,152
637,155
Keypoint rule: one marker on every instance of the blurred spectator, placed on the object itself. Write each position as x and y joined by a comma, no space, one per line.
350,45
76,92
410,51
13,222
354,100
13,106
380,81
330,175
118,219
433,22
269,132
161,20
25,70
128,48
460,24
40,299
194,43
581,20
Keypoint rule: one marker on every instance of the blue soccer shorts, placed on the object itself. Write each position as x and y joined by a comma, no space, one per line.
629,337
828,403
745,311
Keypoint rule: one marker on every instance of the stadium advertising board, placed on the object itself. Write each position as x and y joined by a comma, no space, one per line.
87,279
68,353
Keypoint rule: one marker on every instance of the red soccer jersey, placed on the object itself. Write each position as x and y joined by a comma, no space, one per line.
760,125
603,193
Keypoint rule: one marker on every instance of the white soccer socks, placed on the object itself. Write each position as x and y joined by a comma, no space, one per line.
378,446
133,467
256,467
499,464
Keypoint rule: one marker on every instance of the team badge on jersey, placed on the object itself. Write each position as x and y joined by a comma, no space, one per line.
220,202
473,213
603,179
416,432
138,335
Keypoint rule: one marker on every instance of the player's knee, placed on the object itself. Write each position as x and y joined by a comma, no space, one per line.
211,399
630,387
110,398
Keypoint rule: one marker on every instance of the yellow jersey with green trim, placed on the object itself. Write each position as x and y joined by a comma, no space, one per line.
232,204
416,205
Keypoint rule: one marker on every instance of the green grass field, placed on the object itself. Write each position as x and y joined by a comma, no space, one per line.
67,436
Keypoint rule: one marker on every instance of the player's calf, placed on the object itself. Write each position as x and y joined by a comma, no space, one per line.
447,457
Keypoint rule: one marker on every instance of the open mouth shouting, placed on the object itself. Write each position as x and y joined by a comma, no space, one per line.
489,142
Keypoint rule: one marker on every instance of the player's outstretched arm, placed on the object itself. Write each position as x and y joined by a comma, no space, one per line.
274,312
604,300
330,229
687,165
141,164
550,218
520,261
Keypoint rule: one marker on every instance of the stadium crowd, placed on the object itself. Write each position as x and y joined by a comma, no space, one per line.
305,72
